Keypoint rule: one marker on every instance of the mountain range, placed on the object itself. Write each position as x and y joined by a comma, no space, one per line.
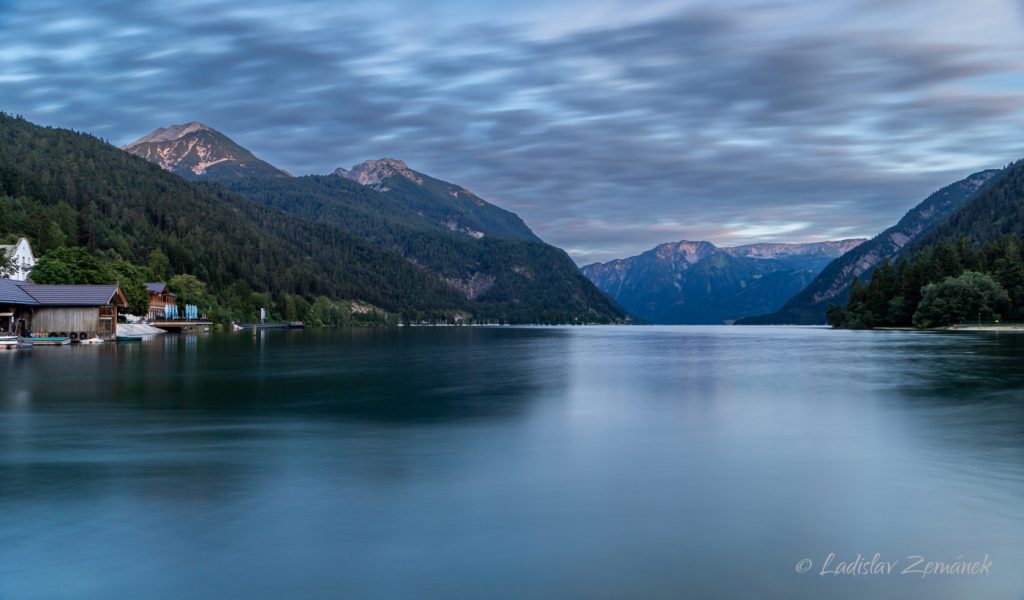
967,269
486,254
258,236
832,285
383,234
698,283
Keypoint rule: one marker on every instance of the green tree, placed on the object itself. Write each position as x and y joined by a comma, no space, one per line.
900,312
836,316
970,296
968,257
295,308
159,265
8,266
881,290
1008,270
948,259
189,289
72,265
858,313
132,281
330,313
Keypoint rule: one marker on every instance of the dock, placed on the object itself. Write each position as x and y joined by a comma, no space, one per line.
183,326
252,326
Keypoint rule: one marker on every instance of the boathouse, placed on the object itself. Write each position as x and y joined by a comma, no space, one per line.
73,311
160,296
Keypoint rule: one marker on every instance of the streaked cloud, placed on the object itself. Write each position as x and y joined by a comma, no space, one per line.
608,128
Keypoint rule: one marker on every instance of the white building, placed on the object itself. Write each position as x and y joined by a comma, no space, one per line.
24,260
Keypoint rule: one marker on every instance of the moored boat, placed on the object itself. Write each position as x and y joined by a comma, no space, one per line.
46,341
128,338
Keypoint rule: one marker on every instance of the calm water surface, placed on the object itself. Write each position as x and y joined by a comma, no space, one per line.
672,462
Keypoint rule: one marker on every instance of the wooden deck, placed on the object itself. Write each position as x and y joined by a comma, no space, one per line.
182,326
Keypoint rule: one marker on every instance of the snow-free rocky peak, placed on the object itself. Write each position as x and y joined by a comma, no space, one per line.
373,173
193,149
697,282
773,250
683,252
444,204
167,134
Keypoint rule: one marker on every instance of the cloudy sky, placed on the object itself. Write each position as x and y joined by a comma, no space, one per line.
608,125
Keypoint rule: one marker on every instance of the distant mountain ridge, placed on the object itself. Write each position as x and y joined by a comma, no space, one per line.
196,151
486,254
452,206
690,282
792,251
832,285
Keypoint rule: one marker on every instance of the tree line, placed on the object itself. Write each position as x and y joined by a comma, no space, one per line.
67,190
943,284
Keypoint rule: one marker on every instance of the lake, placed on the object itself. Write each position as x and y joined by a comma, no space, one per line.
576,462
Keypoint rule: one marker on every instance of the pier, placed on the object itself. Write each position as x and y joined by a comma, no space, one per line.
182,326
288,325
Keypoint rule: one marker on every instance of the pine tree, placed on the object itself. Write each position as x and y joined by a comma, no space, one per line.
948,259
1008,270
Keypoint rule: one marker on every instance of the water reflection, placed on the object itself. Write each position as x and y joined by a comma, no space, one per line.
575,462
180,415
393,375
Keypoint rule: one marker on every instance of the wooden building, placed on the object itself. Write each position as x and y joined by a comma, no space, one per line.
15,307
160,296
60,310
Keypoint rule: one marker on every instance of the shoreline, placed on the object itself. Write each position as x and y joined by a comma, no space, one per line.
1011,328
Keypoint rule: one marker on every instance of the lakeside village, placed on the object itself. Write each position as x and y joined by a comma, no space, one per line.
34,314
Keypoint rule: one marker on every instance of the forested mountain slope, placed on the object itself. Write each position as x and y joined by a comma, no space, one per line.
487,254
994,212
62,188
832,285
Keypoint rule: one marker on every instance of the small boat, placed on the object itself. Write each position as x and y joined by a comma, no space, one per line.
46,341
128,338
94,340
9,342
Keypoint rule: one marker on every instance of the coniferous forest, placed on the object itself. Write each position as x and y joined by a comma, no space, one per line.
96,214
969,269
942,285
